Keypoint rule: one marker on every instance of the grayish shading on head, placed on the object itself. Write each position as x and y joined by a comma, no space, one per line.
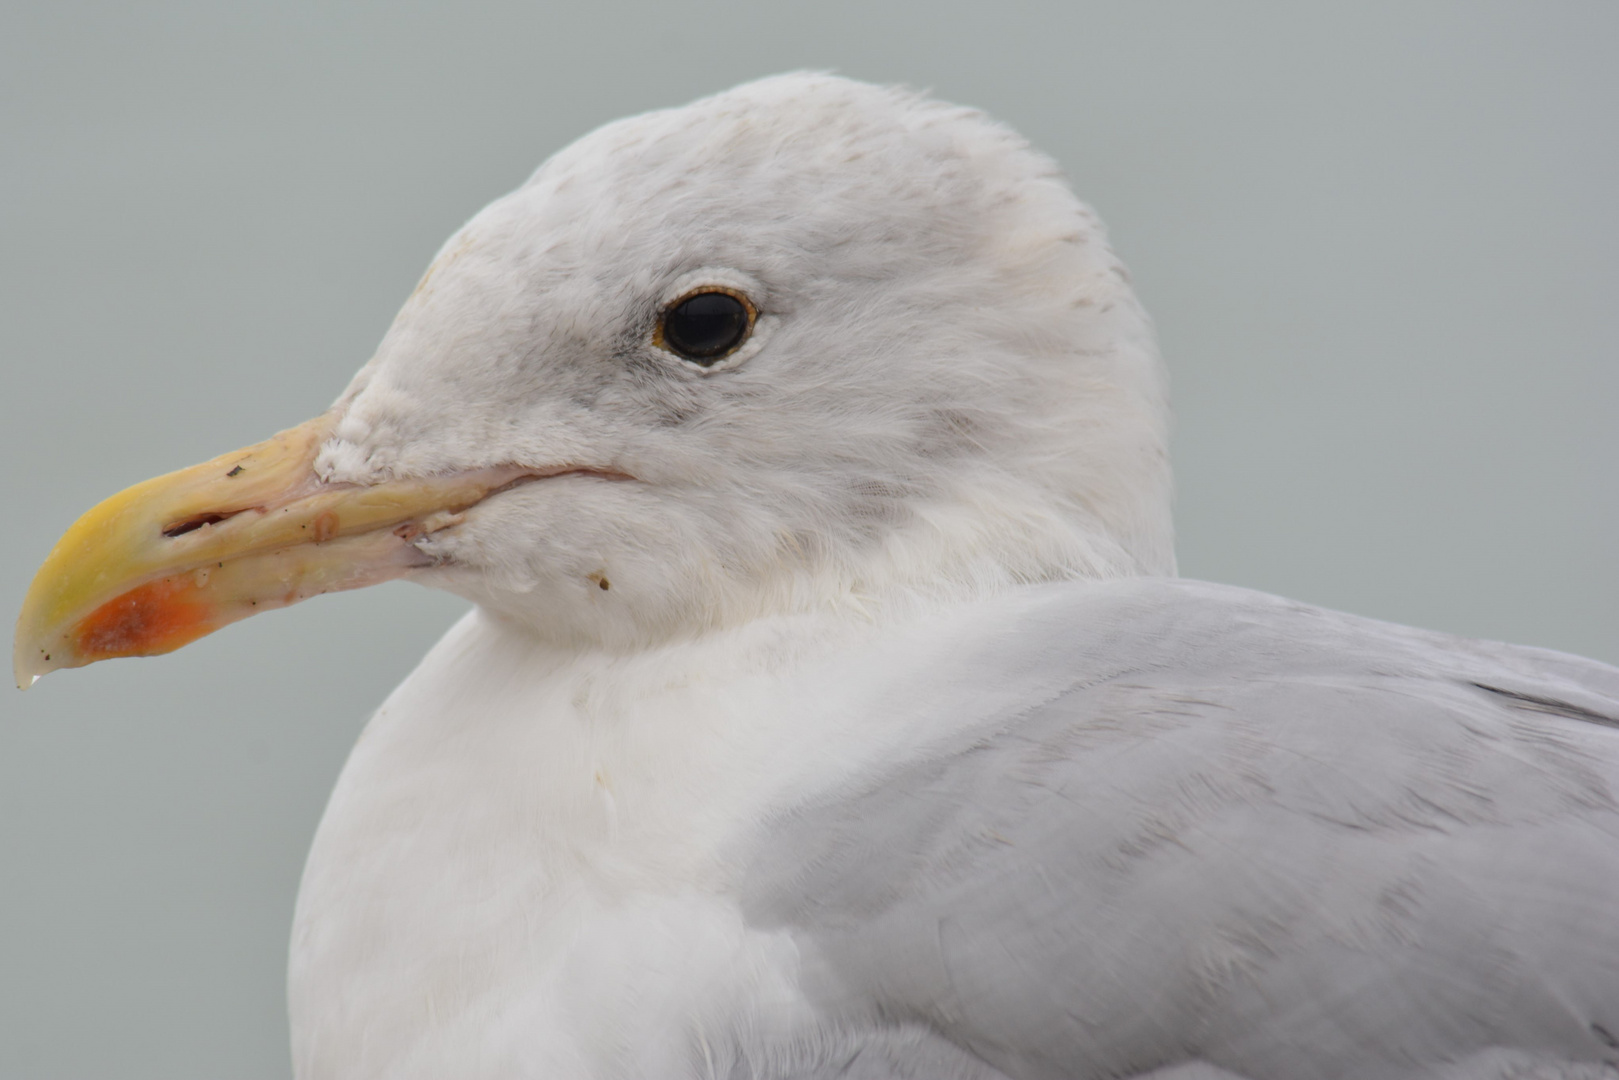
952,387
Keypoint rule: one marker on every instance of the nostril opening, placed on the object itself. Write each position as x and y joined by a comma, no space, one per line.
192,524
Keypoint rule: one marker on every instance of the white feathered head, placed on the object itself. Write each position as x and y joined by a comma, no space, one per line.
808,342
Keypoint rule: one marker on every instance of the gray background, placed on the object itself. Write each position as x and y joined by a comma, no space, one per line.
1379,240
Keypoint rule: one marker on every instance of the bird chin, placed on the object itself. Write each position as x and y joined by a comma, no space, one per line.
522,602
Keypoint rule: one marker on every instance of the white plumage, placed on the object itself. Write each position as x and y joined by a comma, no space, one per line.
831,713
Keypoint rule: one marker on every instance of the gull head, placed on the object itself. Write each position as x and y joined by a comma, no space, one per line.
806,343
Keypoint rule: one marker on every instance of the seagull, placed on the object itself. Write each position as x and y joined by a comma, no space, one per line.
830,706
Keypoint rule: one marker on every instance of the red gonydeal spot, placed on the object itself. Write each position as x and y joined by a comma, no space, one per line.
157,617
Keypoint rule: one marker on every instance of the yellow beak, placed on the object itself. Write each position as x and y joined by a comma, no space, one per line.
167,561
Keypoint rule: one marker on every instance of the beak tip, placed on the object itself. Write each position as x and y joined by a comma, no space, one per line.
26,673
31,655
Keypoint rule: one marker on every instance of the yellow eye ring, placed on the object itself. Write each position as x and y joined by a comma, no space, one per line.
706,324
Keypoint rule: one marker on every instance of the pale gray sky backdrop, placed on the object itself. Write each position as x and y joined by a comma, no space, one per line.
1379,240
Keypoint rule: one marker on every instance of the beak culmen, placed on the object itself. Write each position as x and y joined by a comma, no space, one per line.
167,561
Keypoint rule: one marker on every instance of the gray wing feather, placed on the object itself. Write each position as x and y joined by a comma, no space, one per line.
1269,838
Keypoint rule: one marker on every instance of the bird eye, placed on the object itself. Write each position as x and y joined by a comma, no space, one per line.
707,326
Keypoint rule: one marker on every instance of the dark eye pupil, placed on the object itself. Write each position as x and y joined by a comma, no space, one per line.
705,327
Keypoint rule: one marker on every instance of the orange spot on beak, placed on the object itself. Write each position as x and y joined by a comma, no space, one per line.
157,617
325,526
